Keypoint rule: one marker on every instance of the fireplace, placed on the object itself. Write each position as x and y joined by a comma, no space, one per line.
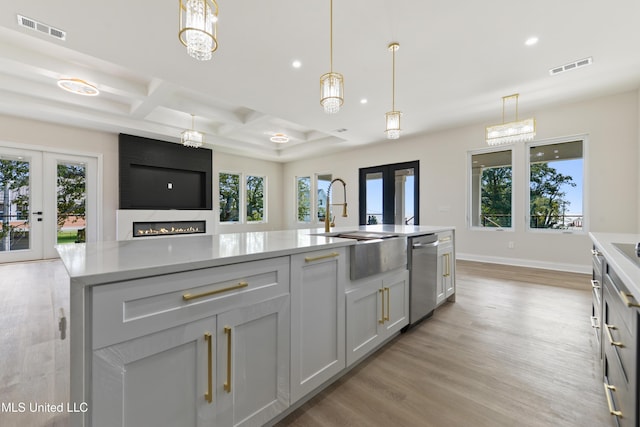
168,228
134,224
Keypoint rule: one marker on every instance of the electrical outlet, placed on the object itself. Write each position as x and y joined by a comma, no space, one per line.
511,245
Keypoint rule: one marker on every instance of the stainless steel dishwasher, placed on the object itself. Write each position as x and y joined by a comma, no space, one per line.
423,264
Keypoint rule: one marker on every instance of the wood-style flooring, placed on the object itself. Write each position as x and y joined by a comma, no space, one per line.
511,351
515,349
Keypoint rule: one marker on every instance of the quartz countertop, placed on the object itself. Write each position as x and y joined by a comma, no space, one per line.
628,272
111,261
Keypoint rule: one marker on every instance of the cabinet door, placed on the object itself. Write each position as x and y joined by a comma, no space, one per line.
253,363
396,303
317,319
445,272
157,380
365,319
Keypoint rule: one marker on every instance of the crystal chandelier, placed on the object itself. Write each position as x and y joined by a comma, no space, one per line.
516,131
393,116
331,84
191,137
198,27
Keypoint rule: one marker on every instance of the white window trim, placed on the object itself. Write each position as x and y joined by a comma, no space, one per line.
585,214
470,154
295,197
314,197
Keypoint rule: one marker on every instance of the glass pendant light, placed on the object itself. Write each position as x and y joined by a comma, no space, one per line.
331,84
198,27
393,116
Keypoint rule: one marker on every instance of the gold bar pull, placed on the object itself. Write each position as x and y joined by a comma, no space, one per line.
318,258
227,384
607,392
388,303
625,297
209,394
189,297
611,341
595,284
381,292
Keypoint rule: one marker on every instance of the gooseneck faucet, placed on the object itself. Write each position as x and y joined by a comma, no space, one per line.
327,215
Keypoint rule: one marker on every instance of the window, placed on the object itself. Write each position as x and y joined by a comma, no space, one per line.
322,187
555,186
303,192
492,190
255,198
229,196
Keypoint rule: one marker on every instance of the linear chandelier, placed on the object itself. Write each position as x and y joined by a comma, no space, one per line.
516,131
331,84
191,137
393,116
198,28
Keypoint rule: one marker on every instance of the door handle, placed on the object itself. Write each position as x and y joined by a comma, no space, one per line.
37,213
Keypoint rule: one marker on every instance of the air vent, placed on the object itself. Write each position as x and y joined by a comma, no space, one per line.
571,66
34,25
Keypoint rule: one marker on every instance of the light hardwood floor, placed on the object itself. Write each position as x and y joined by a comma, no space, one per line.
511,351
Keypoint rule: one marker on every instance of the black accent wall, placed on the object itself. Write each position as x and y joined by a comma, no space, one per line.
162,175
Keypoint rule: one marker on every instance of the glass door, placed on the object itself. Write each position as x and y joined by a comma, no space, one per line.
21,214
389,194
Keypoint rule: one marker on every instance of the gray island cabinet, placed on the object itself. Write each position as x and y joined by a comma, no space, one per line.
218,330
616,319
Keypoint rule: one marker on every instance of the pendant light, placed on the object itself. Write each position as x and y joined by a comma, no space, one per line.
516,131
191,137
331,84
393,116
198,27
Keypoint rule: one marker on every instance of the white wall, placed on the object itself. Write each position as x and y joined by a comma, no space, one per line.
612,181
47,136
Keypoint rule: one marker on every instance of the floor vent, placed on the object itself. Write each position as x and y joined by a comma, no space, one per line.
34,25
571,66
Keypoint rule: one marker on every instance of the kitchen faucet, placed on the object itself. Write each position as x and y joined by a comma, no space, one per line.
327,215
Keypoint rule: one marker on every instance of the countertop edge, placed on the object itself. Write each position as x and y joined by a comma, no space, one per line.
624,268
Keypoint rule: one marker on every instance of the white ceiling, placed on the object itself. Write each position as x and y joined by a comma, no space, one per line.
456,60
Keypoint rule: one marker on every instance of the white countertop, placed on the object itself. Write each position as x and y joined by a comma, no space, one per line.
628,272
103,262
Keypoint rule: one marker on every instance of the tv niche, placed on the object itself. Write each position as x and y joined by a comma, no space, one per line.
162,175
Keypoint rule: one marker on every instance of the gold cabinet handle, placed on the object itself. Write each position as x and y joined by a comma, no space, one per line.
608,328
227,384
594,322
444,239
381,292
209,394
607,392
626,298
318,258
595,284
189,297
447,267
595,252
388,303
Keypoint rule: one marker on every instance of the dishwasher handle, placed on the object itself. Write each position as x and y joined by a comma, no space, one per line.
424,245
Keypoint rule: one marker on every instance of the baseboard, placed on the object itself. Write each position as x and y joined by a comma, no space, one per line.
518,262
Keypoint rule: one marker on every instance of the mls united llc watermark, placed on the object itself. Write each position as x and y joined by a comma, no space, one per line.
48,407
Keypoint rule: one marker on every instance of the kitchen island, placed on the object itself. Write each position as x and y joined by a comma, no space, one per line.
231,329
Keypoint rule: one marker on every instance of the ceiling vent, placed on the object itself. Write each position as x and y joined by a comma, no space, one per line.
571,66
34,25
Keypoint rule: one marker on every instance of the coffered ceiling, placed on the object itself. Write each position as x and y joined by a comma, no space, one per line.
456,60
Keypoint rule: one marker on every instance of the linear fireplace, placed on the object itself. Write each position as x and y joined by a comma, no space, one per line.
168,228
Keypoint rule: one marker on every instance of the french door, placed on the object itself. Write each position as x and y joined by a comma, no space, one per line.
390,194
46,199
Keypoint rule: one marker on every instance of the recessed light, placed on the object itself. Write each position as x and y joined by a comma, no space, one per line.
79,87
279,138
364,101
531,41
296,64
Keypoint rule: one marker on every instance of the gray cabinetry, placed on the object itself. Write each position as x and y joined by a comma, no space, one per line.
620,349
597,261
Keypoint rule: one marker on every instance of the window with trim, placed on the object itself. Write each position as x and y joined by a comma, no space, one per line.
491,195
229,197
254,191
303,197
322,187
556,185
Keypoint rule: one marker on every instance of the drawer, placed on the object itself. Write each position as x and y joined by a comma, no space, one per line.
613,291
597,260
618,393
445,237
126,310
